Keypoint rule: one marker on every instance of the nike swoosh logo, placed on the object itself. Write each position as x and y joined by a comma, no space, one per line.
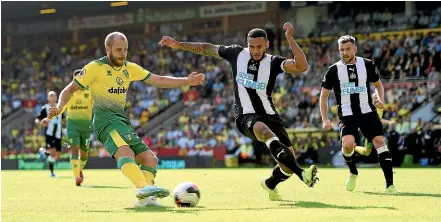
388,159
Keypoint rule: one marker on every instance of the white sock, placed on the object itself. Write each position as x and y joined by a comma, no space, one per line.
270,140
51,159
382,149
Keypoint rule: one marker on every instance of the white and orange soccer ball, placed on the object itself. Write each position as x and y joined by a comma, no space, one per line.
186,194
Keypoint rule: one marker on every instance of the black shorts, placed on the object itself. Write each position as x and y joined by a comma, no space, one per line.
52,141
369,124
246,122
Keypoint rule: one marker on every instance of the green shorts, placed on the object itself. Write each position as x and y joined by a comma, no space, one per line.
79,138
118,134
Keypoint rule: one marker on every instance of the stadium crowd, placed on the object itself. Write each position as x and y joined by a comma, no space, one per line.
377,21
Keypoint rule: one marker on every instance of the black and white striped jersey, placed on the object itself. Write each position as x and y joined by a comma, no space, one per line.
54,127
351,85
254,80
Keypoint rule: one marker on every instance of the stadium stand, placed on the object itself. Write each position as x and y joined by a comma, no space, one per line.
409,61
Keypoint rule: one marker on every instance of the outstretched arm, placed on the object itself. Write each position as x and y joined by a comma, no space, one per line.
172,82
201,48
299,64
65,96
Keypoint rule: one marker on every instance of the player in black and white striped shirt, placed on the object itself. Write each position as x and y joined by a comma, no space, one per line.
255,73
350,78
52,131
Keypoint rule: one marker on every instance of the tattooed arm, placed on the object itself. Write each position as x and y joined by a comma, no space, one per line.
201,48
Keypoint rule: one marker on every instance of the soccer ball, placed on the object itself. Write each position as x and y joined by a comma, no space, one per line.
186,194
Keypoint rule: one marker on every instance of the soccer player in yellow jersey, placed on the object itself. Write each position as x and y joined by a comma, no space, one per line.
368,145
79,127
108,80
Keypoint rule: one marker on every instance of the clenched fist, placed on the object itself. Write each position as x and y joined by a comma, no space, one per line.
169,41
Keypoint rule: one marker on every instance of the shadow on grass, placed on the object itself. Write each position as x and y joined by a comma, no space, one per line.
408,194
103,187
309,204
168,209
200,209
284,205
64,177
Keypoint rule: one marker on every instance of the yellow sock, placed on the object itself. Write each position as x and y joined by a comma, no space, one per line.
149,174
132,171
83,163
361,150
75,167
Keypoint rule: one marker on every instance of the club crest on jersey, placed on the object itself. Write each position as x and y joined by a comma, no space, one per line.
252,67
352,76
109,73
119,81
86,95
126,73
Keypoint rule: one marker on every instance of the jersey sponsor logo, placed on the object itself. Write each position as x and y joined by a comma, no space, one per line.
246,80
78,107
119,90
350,88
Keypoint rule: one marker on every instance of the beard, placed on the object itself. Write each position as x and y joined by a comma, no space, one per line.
261,57
116,61
350,59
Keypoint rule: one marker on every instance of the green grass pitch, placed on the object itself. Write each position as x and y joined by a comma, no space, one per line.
226,195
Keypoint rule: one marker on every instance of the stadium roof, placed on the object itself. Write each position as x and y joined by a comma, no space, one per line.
26,10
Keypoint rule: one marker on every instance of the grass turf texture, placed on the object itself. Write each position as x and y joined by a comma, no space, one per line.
226,195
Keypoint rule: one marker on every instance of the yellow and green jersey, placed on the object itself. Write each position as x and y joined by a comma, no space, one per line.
380,113
108,87
79,111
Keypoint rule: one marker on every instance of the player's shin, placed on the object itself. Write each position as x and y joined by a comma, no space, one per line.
149,174
83,162
349,161
386,164
361,150
51,161
75,163
131,170
284,156
277,177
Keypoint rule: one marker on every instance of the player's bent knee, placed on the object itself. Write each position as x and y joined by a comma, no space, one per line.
147,158
262,131
124,151
378,141
75,149
348,142
84,154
